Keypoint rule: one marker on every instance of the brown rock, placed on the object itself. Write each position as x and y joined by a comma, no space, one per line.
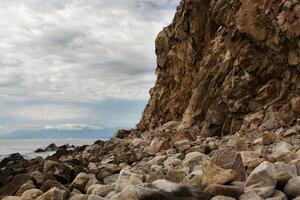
212,174
12,187
157,145
230,159
250,195
292,188
268,138
262,180
48,184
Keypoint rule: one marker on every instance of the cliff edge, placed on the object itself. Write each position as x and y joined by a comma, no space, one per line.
227,66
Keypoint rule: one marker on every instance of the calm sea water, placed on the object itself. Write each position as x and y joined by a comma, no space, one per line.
27,147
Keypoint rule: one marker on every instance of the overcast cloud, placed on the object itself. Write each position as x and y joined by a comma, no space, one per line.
59,59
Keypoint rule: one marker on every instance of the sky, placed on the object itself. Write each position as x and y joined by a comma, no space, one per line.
77,62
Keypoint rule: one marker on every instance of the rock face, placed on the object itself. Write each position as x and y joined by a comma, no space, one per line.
223,120
221,65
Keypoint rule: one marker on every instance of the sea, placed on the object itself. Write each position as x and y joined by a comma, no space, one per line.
27,147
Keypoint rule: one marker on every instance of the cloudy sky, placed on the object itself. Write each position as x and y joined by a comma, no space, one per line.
77,61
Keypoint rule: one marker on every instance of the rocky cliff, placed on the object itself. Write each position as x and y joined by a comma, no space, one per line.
227,66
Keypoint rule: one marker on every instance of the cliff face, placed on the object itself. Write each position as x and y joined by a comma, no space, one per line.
227,65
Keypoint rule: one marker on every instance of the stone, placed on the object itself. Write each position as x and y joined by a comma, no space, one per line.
127,178
212,174
121,133
31,194
292,188
278,195
175,176
157,145
79,197
138,142
220,197
291,132
268,138
155,174
228,158
108,169
194,180
224,190
53,194
238,144
12,198
251,159
80,181
281,148
193,159
24,187
59,171
262,180
181,137
250,195
38,177
48,184
110,179
12,187
96,197
284,173
132,192
100,190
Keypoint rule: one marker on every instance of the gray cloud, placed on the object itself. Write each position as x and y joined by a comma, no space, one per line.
72,52
78,49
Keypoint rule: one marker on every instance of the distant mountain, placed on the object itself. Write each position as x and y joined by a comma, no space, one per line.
80,131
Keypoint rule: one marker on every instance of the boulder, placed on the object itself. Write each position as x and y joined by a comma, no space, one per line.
24,187
269,138
157,145
38,177
194,180
133,192
121,133
80,181
110,179
53,194
96,197
278,195
79,197
250,196
220,197
182,137
292,188
284,173
193,159
31,194
48,184
281,148
238,144
100,190
92,181
175,176
228,158
59,171
12,198
213,174
12,187
262,180
251,159
126,178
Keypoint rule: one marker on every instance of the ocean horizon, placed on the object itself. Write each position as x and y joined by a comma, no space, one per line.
26,147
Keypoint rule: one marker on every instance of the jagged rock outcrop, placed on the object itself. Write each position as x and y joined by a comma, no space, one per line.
225,66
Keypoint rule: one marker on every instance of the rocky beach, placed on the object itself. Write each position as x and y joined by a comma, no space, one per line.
222,122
